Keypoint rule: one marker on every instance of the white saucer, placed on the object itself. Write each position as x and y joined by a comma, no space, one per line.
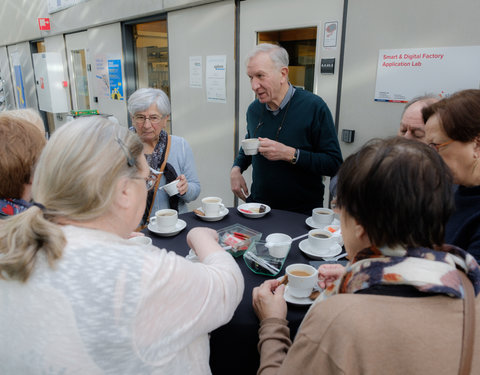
223,213
311,224
297,300
305,248
178,228
249,206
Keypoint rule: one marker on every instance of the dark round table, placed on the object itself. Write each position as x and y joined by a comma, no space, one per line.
233,347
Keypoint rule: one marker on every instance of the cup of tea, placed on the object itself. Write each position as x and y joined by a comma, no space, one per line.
211,206
165,220
250,146
171,188
141,240
301,279
321,242
322,216
278,244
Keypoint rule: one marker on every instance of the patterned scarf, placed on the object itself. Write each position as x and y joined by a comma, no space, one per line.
9,207
155,160
427,270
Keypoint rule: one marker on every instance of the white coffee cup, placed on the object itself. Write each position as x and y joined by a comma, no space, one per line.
141,240
322,216
250,146
171,188
211,206
321,242
165,220
278,244
301,279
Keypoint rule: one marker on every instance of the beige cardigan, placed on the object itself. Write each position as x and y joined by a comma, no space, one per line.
370,334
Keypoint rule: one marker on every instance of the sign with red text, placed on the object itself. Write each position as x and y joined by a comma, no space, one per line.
44,23
403,74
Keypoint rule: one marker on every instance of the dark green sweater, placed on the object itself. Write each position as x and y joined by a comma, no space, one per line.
309,127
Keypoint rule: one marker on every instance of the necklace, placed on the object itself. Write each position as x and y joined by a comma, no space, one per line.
260,122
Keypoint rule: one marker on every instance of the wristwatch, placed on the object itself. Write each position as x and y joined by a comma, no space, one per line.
295,157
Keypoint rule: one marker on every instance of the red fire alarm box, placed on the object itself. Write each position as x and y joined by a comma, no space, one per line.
44,23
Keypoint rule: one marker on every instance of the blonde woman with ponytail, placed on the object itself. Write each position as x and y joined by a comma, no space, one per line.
76,296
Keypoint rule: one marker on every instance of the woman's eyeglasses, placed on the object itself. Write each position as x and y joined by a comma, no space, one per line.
151,180
437,146
154,119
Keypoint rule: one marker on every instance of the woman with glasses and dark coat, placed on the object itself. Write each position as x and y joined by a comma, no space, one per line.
453,129
170,155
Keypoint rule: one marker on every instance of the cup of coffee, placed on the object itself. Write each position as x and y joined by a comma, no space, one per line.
321,242
171,188
141,240
165,220
301,279
250,146
278,244
211,206
322,216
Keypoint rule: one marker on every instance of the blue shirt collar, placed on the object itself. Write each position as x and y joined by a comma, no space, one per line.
286,99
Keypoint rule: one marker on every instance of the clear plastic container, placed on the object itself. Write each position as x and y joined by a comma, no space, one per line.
258,259
237,238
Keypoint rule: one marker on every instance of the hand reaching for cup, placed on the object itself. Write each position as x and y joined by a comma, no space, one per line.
268,301
203,241
328,274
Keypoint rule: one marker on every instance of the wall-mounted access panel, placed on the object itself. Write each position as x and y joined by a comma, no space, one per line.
49,79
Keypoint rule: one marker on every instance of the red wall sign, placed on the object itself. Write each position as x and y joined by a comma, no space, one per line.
44,23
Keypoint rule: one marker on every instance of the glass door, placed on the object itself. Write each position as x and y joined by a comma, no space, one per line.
151,55
77,63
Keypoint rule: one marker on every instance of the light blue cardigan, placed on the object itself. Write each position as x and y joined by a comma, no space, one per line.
180,158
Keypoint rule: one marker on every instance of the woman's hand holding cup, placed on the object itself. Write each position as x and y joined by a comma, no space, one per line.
328,274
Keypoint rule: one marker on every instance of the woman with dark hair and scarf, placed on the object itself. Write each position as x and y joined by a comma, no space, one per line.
398,306
170,155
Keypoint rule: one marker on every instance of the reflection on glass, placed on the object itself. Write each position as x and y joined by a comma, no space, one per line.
151,55
300,45
82,100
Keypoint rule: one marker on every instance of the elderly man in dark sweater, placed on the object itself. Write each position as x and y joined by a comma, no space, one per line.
298,140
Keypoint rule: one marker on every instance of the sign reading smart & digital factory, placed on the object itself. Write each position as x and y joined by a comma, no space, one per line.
403,74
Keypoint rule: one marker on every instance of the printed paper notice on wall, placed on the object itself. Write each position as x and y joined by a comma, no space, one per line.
403,74
215,70
195,71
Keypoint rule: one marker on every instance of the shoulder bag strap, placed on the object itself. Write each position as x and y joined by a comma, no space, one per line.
155,190
468,326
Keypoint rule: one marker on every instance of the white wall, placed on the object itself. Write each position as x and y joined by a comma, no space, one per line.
208,127
373,25
19,17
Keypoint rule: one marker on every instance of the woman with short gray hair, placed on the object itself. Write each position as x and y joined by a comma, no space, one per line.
168,154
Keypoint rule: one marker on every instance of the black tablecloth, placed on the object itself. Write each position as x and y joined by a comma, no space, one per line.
234,346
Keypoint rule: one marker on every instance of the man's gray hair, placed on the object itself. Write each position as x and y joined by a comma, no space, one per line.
427,99
278,54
